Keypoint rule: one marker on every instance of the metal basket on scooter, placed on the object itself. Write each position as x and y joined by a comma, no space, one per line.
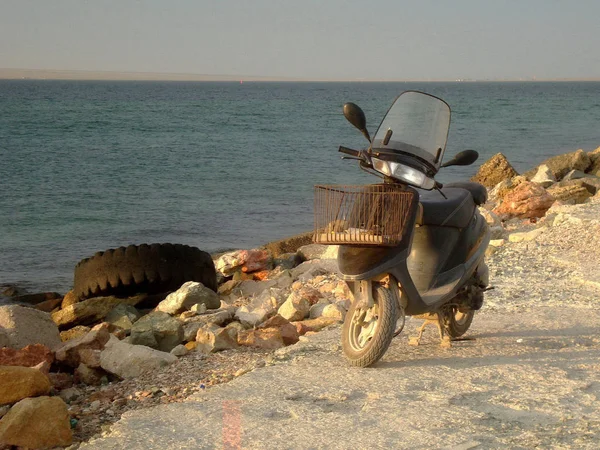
375,214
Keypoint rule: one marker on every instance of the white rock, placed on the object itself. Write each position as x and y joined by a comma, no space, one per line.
198,308
544,176
188,295
254,317
294,308
24,326
130,361
334,311
497,242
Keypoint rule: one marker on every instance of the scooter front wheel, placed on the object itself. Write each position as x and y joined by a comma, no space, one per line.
368,332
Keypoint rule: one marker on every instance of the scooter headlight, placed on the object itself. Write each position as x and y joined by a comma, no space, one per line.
403,173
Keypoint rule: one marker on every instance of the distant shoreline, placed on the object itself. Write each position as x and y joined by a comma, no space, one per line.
38,74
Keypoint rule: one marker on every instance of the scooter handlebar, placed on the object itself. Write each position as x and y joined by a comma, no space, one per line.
349,151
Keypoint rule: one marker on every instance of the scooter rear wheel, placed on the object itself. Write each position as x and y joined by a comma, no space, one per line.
455,322
368,332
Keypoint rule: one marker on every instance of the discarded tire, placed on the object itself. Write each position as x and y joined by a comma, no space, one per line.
151,269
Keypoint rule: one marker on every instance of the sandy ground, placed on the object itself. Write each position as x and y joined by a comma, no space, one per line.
527,376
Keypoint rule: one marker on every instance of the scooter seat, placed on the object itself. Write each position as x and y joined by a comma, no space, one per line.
454,211
478,191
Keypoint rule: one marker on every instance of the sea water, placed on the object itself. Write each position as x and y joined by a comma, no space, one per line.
86,166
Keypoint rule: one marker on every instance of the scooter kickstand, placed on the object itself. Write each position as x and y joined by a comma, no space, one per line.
444,339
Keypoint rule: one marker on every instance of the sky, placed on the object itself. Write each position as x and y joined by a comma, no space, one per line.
324,39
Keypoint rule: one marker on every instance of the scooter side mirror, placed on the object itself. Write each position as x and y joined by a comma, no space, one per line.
464,158
356,117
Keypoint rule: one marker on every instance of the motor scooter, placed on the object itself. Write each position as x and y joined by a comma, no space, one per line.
408,246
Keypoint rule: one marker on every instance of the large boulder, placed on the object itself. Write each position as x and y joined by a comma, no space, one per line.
70,352
571,194
527,200
41,422
157,330
91,311
21,382
25,326
562,164
495,170
130,361
29,356
594,168
188,295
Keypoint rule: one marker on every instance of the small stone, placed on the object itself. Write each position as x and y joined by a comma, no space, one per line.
75,332
89,375
495,170
497,242
70,394
213,339
296,307
180,350
191,346
199,308
68,353
123,316
68,300
130,361
544,176
334,311
267,338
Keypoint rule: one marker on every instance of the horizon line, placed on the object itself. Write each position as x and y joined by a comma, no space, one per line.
99,75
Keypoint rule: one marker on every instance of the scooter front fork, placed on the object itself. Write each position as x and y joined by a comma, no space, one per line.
431,319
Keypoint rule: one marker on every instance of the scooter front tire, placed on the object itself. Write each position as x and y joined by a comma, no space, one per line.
363,350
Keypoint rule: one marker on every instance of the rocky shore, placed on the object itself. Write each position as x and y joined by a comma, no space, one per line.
89,361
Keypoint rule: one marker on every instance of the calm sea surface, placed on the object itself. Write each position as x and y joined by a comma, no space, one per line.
86,166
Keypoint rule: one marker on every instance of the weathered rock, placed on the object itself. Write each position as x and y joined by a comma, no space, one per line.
69,354
315,267
130,361
527,200
166,331
572,194
251,288
318,251
212,339
296,307
69,299
41,422
495,170
562,164
25,326
289,245
90,357
227,287
21,382
91,310
288,331
4,339
180,350
257,260
49,305
574,175
334,311
267,338
316,310
70,394
190,346
29,356
594,168
90,376
250,318
193,324
199,308
544,176
123,316
75,332
318,324
188,295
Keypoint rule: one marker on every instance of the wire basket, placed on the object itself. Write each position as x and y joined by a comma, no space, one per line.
375,214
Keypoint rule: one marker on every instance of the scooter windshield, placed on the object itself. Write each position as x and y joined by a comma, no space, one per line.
416,125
